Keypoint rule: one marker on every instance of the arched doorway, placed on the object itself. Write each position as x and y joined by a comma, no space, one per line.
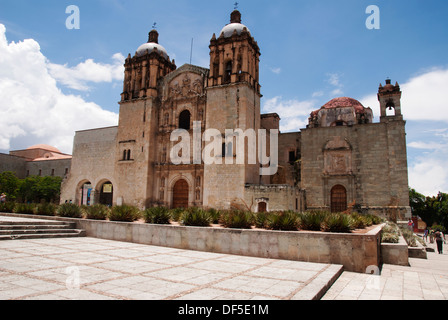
107,194
338,199
184,120
180,194
86,194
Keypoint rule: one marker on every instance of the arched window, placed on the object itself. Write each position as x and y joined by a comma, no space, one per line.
228,72
184,120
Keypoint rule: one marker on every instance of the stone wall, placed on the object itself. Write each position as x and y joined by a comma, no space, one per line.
13,164
93,161
369,160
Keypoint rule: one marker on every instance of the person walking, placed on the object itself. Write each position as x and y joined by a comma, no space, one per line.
3,198
440,239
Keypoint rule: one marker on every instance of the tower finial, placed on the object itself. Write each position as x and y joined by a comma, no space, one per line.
236,5
235,17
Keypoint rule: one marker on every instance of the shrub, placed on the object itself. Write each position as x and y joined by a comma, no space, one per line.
124,213
157,215
388,237
24,208
337,222
7,207
195,217
261,220
46,209
176,213
215,214
408,235
237,219
96,212
312,220
285,221
69,210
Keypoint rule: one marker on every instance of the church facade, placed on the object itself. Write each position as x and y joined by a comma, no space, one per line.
341,160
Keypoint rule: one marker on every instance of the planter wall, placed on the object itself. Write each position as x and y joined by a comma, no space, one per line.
395,253
356,252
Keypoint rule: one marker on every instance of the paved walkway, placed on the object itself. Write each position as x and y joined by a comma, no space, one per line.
90,269
422,280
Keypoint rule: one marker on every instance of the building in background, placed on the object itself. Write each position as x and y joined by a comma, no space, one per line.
39,160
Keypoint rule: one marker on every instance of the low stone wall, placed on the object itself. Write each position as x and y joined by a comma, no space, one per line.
356,252
395,253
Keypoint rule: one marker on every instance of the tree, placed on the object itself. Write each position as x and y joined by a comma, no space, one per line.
432,210
35,189
9,185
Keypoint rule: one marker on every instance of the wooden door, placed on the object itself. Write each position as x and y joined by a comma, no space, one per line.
338,199
180,194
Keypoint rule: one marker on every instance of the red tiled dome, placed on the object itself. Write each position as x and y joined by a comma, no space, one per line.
344,102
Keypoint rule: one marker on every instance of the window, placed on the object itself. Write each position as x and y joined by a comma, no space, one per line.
184,120
126,155
228,72
292,156
52,172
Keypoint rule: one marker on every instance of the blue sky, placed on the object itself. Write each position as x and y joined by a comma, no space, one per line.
312,51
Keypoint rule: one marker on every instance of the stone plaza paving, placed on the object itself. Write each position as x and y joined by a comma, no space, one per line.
95,269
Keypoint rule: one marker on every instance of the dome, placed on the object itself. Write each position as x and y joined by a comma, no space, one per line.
228,30
344,102
150,47
44,147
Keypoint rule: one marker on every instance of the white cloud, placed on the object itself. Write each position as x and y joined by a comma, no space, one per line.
276,70
429,175
31,105
294,114
88,71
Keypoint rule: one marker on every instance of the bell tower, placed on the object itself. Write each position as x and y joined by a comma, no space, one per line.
389,97
234,55
233,102
150,63
138,122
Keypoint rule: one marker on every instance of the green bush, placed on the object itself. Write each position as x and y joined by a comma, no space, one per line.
195,217
24,208
157,215
96,212
285,221
388,237
46,209
337,222
7,207
261,220
312,220
176,213
237,219
69,210
215,214
409,236
124,213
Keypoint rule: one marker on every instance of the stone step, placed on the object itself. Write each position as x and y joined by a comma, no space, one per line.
36,223
36,231
80,233
35,227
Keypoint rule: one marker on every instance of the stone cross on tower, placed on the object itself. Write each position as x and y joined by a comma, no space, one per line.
236,5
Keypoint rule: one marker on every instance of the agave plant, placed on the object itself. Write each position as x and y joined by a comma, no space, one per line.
157,215
196,217
285,221
237,219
